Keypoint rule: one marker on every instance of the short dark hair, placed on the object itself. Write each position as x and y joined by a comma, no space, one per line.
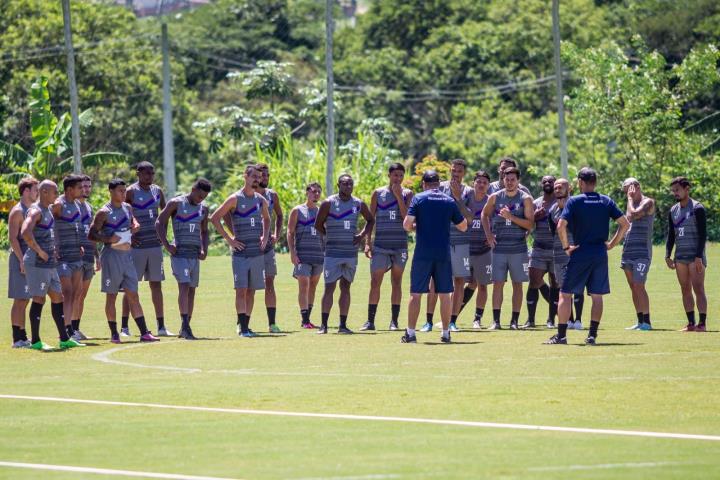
587,175
86,178
313,185
511,170
343,176
250,167
262,166
26,182
116,182
682,181
71,181
144,165
203,184
431,176
396,166
509,160
459,161
481,174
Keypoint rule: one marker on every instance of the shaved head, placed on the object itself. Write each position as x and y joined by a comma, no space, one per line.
46,185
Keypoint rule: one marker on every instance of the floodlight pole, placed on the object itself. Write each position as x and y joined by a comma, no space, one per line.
74,115
168,146
559,88
330,85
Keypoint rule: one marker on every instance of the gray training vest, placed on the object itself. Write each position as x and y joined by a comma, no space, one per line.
638,241
686,233
68,228
88,245
542,235
44,233
478,240
510,237
341,227
389,231
308,242
145,204
247,224
186,225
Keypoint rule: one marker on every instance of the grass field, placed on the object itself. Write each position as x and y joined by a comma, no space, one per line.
660,381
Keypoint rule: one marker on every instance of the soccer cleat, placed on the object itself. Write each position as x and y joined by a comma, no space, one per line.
637,326
367,326
453,327
187,334
556,340
688,328
42,346
700,327
513,325
394,325
70,343
495,326
570,325
645,327
248,334
427,327
19,344
125,332
408,338
274,329
344,331
322,330
590,341
550,324
308,326
528,324
79,336
115,338
164,332
445,339
578,325
477,325
149,337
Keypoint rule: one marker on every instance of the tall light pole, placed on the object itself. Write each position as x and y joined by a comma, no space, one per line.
559,88
330,92
168,146
77,157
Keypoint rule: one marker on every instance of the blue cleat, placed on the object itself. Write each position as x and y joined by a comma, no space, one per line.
645,327
637,326
453,327
427,327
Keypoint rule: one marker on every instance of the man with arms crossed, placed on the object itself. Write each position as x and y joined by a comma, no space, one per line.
430,214
146,200
587,217
688,235
388,250
637,249
511,211
251,231
337,221
18,289
306,250
190,244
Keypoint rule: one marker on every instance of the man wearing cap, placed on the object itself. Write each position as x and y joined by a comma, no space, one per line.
430,215
637,249
587,217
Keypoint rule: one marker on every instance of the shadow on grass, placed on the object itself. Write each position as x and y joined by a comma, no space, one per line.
451,343
616,344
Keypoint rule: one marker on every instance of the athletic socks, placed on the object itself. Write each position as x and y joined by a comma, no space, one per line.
531,298
113,328
372,310
691,317
562,330
496,315
140,321
554,299
243,322
271,315
57,314
305,315
647,318
515,317
310,306
703,317
545,292
324,318
16,333
453,318
161,323
593,328
479,313
35,314
23,334
395,311
640,318
68,329
429,318
75,324
579,302
125,321
343,321
467,295
185,321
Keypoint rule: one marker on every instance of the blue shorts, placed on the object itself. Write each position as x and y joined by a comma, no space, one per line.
440,271
592,273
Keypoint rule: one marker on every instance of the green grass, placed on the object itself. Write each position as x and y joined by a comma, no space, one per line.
652,381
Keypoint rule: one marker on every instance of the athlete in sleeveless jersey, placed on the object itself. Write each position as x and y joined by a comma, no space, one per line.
480,251
91,257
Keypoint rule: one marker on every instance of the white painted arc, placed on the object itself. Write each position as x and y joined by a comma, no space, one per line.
341,416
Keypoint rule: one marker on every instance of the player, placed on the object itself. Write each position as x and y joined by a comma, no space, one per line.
430,214
306,250
511,211
480,251
190,246
388,250
251,232
337,221
637,249
688,235
147,199
18,289
38,231
113,226
587,217
91,256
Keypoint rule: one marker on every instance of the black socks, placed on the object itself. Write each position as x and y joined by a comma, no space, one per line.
531,298
185,321
496,315
343,321
242,319
271,311
372,310
324,318
140,321
125,321
305,315
395,309
593,328
57,314
691,317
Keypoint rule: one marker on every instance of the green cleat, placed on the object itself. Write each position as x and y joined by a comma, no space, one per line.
42,346
275,329
71,343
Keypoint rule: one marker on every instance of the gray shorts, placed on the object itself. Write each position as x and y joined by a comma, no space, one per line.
384,259
542,259
481,267
67,269
688,261
149,264
270,263
17,285
335,268
41,280
515,263
118,271
460,258
560,269
307,270
88,270
186,270
639,268
249,272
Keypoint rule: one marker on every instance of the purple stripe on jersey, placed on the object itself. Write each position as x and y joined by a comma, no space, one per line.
512,208
387,205
70,219
247,212
186,219
684,219
338,216
143,206
478,214
46,226
309,221
115,226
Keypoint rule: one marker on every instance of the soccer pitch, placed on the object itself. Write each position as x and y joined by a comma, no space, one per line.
257,398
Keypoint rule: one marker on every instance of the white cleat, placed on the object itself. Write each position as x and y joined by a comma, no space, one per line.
81,335
164,332
570,325
477,325
578,325
125,332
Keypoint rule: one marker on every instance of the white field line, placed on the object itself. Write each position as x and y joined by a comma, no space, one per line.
375,476
343,416
603,466
106,471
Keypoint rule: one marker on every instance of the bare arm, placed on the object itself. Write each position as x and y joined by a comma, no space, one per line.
623,226
462,226
645,208
373,212
457,191
265,213
278,217
96,228
322,215
487,212
409,223
161,225
162,200
15,222
26,231
204,234
369,222
292,224
218,215
527,223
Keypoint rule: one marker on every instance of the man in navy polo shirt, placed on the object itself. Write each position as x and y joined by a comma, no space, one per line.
587,216
430,214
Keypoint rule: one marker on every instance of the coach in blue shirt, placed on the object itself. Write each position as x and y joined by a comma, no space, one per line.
430,214
587,216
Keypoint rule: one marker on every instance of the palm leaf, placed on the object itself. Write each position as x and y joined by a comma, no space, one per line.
13,156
